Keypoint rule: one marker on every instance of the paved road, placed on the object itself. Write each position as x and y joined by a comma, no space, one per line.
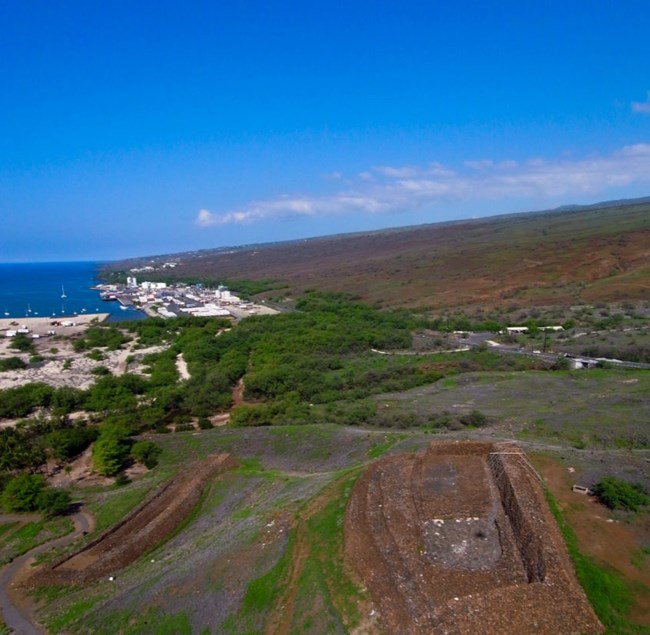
15,617
553,357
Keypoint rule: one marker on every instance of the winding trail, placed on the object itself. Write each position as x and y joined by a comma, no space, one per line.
16,615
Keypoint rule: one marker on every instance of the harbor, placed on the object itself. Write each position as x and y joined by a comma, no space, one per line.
159,299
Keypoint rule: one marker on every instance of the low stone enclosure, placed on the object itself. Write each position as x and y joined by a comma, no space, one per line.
459,539
140,530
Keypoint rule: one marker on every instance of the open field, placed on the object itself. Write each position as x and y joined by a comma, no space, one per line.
264,551
598,409
548,258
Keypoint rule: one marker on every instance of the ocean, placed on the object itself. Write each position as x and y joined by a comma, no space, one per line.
37,290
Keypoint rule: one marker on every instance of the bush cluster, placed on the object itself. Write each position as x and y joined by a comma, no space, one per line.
616,493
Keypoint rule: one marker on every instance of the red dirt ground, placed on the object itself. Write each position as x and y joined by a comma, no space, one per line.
613,543
459,539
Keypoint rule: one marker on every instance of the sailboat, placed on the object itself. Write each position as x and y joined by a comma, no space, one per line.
63,295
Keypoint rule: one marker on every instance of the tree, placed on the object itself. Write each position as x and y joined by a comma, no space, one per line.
30,492
146,452
110,451
21,493
53,502
67,443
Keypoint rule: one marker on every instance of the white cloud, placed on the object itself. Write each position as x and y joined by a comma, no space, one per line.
642,106
397,173
205,218
394,189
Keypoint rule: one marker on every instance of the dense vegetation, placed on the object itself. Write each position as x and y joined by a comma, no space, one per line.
616,493
319,363
29,493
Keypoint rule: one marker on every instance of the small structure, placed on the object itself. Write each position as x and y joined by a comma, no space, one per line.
514,330
577,363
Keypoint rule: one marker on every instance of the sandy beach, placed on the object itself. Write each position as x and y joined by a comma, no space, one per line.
41,325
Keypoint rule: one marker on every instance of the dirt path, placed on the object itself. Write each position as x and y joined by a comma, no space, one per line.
181,367
238,393
16,611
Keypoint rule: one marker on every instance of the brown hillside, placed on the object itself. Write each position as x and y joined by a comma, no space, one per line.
560,257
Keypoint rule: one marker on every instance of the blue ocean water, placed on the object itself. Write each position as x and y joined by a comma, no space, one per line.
36,290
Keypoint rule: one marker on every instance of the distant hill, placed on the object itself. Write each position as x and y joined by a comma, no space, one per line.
595,253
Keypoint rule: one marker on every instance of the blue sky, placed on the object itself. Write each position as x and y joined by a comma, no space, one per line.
136,128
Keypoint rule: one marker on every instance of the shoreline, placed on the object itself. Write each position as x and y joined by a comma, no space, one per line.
41,325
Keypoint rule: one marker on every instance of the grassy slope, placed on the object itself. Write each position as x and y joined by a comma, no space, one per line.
532,259
268,536
214,574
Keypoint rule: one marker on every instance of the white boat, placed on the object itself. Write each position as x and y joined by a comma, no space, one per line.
63,295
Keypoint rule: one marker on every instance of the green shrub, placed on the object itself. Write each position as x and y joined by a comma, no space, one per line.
21,493
29,492
96,355
146,452
67,443
53,502
22,343
12,363
616,493
475,419
110,451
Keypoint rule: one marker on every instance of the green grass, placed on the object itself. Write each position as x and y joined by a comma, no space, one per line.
326,598
116,503
262,591
254,467
73,612
153,621
381,448
5,527
640,557
609,595
326,541
241,514
32,534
